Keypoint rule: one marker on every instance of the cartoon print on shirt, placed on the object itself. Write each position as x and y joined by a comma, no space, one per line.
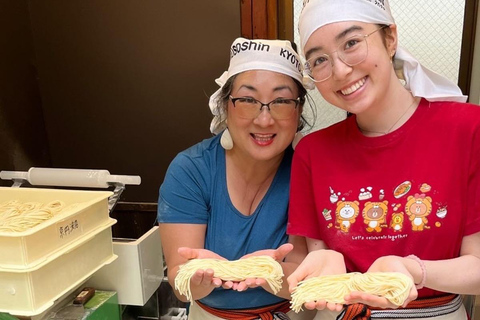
374,215
402,189
397,221
333,196
346,214
399,206
425,187
365,194
327,214
418,207
382,194
442,212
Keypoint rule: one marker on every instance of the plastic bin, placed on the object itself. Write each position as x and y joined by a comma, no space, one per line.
31,291
138,271
24,250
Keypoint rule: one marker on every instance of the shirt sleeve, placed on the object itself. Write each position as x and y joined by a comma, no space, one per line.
473,189
302,216
183,195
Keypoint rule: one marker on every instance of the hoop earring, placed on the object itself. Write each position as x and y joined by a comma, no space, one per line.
226,140
296,139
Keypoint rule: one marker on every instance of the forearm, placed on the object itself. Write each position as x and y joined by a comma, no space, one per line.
460,275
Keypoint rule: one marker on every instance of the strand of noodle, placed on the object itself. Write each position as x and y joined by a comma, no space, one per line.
16,216
393,286
263,267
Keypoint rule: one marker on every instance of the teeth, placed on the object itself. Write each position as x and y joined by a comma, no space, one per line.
263,137
353,88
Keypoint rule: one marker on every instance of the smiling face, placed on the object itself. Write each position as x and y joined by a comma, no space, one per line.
355,88
262,138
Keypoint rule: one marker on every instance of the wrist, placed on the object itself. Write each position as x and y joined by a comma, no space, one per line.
423,270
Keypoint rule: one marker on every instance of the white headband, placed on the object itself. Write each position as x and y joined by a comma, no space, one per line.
246,54
421,81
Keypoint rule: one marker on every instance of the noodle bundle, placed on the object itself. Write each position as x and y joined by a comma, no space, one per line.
263,267
16,216
393,286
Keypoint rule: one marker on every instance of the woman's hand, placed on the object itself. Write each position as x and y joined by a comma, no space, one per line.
190,253
318,263
278,254
386,264
203,282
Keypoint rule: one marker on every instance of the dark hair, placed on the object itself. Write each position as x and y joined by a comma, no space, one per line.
222,101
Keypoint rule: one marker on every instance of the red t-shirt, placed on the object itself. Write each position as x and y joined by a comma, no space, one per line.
413,191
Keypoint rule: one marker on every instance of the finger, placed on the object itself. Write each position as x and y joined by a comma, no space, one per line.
241,286
217,282
334,306
283,250
292,284
207,278
310,305
259,282
197,278
321,304
227,285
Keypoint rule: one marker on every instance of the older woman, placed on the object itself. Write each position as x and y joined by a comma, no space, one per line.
227,196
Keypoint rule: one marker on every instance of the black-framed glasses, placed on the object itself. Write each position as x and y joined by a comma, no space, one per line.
279,108
352,51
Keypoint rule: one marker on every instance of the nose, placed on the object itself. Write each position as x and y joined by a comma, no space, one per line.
264,118
339,68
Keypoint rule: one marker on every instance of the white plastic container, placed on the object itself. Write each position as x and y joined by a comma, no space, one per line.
30,292
25,250
138,271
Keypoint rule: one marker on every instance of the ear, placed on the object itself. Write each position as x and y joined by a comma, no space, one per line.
391,39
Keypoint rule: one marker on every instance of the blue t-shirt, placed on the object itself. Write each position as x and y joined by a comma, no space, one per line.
195,191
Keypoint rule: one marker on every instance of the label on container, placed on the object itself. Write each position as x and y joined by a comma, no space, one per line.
69,228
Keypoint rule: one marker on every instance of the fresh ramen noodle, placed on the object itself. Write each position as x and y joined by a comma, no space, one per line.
263,267
16,216
393,286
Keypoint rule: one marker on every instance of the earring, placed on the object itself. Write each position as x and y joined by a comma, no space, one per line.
296,139
226,140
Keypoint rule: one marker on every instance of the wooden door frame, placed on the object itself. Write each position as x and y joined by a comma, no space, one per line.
468,45
267,19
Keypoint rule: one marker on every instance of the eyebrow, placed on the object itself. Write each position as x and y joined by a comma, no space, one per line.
338,37
279,88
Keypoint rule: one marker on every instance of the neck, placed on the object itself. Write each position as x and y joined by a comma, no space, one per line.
252,171
388,117
248,181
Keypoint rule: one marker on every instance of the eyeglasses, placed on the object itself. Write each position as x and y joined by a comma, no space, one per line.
352,51
250,108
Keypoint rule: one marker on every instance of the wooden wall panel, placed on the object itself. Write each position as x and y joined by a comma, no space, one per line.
246,18
260,19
